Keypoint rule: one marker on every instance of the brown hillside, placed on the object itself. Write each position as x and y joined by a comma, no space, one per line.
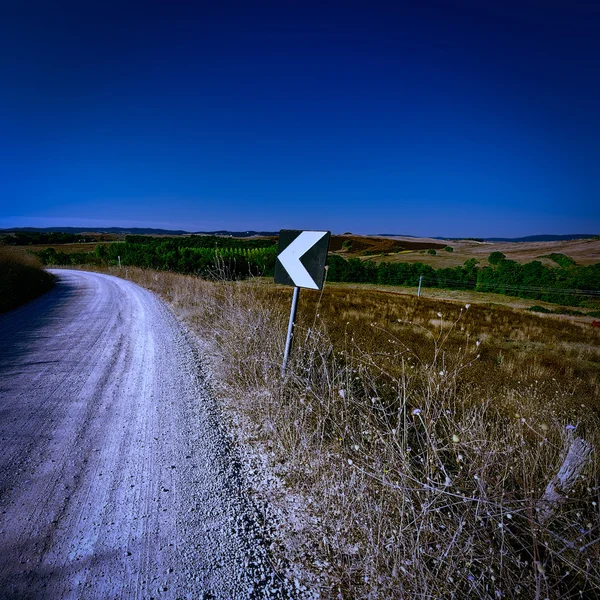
377,245
583,252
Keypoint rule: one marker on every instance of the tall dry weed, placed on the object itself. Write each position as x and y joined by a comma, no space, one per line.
21,278
420,455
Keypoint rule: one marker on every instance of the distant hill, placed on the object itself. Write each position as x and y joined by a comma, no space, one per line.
137,231
404,235
115,230
239,234
251,233
529,238
545,238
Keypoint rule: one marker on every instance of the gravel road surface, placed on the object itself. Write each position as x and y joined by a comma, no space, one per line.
116,480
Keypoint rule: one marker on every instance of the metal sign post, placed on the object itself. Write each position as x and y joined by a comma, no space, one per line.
301,258
290,331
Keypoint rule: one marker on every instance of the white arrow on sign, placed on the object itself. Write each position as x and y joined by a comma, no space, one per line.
290,258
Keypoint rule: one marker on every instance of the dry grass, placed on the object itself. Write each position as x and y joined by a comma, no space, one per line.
21,278
417,437
462,297
584,252
378,245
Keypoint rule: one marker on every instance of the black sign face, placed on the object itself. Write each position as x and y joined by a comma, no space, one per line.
301,257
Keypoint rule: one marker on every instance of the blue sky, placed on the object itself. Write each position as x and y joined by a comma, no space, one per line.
458,118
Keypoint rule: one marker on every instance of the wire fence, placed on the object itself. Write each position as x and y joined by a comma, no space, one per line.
504,288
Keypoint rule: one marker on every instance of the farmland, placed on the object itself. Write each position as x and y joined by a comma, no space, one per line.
399,249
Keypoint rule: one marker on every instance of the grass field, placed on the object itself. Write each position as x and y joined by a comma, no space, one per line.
471,296
415,441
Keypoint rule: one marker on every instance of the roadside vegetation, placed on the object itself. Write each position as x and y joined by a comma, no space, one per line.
424,449
198,255
22,278
565,283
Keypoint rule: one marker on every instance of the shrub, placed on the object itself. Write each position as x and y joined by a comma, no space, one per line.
560,259
21,278
449,249
432,252
495,258
540,309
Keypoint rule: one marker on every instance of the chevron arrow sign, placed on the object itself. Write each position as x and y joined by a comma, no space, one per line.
301,257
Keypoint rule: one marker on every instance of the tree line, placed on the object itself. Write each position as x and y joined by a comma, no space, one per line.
30,238
198,255
568,284
199,241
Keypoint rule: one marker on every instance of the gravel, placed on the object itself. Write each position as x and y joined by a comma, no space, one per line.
117,478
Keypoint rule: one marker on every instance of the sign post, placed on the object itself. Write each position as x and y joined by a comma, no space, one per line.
290,331
301,258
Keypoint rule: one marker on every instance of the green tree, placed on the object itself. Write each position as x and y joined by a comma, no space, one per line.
101,251
338,268
470,268
495,258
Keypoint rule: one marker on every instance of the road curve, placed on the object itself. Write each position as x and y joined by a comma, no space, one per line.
116,480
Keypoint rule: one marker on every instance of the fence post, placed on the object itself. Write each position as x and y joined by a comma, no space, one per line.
419,290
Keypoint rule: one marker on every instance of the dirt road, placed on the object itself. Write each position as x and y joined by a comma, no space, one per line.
116,480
